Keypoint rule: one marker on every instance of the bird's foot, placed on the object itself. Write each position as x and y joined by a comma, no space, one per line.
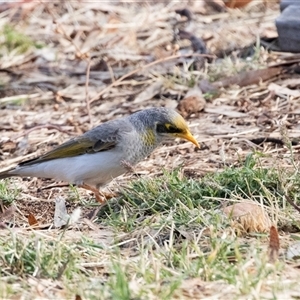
100,198
109,195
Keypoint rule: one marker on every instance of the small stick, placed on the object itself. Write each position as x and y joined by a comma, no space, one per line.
48,126
144,67
289,200
87,90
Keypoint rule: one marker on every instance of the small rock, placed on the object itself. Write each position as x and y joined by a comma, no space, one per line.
248,217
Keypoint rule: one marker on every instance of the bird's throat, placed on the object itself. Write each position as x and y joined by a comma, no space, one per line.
149,138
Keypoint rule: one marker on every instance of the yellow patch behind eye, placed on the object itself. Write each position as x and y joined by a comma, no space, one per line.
180,123
148,137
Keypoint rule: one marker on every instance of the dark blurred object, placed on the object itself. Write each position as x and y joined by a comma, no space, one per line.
285,3
197,44
270,43
288,27
217,5
185,13
236,3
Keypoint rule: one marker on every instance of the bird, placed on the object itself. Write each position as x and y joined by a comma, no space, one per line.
107,151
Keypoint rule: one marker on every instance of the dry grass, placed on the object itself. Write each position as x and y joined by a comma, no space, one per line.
67,67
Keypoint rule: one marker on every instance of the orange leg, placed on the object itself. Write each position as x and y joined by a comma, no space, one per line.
110,195
99,198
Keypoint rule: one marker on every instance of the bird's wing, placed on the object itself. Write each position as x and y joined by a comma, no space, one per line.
101,138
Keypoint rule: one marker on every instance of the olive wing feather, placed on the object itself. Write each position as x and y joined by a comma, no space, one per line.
100,138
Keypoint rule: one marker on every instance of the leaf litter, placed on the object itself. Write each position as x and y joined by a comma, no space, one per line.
139,56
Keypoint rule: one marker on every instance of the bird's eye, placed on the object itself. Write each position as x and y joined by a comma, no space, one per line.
171,129
167,128
160,128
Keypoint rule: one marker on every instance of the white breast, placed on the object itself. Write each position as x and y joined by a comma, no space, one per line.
93,169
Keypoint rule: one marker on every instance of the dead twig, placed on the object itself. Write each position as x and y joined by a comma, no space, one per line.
262,140
88,68
48,126
61,30
289,200
145,67
111,72
81,55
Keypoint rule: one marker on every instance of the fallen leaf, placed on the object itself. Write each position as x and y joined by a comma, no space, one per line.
274,244
236,3
280,90
61,216
32,220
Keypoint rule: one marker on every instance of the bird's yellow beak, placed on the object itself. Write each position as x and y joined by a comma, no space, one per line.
188,136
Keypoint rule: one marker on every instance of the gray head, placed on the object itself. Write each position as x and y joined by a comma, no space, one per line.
163,122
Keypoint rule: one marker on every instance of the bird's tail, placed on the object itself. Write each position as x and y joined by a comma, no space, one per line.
7,173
